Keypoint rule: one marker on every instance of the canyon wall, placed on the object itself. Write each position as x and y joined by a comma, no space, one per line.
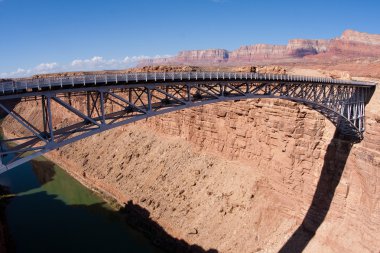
295,49
243,176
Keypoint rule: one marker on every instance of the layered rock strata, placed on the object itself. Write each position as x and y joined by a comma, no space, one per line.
352,44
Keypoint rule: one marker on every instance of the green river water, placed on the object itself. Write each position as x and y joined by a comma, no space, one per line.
52,212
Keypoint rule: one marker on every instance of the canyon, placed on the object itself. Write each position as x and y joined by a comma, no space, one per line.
263,175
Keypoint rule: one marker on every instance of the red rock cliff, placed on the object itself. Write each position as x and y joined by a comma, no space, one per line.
350,44
360,37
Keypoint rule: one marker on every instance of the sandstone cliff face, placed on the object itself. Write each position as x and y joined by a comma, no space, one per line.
301,48
241,174
354,44
211,55
296,48
351,44
360,37
257,52
352,49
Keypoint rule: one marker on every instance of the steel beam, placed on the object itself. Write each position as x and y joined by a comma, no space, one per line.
75,111
342,103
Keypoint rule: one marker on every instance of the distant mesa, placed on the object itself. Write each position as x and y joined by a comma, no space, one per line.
359,37
351,44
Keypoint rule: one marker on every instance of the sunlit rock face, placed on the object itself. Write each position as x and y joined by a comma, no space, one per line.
351,44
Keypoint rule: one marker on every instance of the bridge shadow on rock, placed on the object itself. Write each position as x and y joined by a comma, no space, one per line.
334,163
139,218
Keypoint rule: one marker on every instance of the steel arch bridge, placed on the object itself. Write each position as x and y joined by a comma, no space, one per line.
136,96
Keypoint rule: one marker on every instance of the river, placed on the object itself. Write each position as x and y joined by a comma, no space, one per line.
52,212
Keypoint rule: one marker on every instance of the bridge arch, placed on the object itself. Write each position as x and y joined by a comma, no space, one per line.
138,96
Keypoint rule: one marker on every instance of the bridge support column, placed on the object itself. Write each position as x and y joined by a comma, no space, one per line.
88,105
188,94
149,94
47,117
50,119
102,112
130,95
44,112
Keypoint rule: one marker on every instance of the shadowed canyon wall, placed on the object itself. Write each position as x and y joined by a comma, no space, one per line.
238,176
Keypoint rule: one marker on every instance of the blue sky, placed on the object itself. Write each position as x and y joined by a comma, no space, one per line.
55,35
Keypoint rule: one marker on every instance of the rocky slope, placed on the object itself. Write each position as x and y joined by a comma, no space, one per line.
351,44
243,176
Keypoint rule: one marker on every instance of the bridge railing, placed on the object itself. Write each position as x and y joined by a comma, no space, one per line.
25,84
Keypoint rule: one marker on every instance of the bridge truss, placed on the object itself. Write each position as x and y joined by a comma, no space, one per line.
104,102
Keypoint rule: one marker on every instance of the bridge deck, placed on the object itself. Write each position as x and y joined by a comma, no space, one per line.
109,101
26,85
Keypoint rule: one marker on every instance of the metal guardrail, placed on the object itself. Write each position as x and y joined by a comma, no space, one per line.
23,84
